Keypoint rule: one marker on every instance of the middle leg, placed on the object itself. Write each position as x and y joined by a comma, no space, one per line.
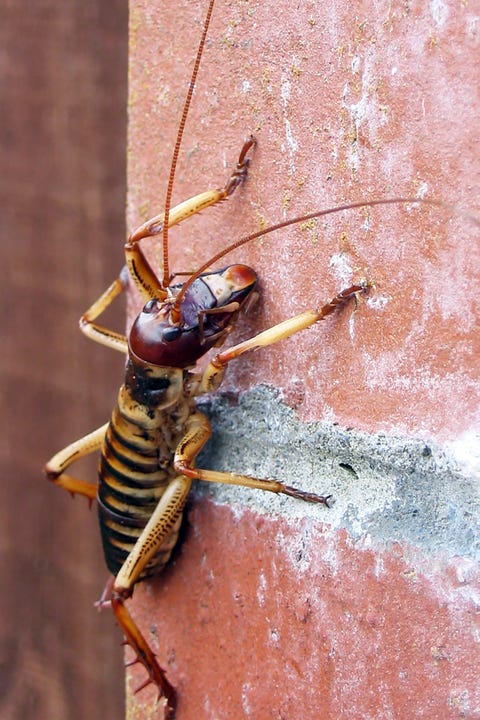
198,432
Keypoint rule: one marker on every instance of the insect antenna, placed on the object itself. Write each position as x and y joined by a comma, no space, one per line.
308,216
178,142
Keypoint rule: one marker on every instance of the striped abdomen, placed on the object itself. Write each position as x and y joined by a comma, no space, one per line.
135,468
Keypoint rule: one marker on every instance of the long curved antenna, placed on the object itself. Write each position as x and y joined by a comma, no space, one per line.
178,142
318,213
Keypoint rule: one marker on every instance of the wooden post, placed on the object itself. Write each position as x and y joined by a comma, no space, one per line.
62,125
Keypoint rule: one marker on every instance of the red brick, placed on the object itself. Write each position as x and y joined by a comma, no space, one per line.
265,616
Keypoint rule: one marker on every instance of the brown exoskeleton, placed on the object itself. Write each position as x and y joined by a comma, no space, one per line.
148,448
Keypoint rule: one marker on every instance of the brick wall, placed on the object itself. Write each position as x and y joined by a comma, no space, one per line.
273,608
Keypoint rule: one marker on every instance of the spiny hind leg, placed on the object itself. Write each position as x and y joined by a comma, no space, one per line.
146,656
162,524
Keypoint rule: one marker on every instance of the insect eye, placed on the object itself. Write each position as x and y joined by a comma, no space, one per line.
170,334
151,306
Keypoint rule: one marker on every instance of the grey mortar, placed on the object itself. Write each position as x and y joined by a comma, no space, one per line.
387,488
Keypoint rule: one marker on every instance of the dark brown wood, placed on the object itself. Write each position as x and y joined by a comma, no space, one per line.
62,189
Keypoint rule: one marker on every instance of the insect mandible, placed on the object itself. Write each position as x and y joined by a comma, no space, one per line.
149,447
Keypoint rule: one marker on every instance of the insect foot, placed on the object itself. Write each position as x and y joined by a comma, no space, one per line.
240,172
308,496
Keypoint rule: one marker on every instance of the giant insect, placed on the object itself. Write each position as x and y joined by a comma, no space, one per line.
149,447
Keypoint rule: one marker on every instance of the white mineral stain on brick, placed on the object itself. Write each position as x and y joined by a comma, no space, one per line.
355,64
379,566
301,549
439,12
351,327
285,89
395,371
330,553
466,451
246,691
341,266
453,268
431,571
291,143
378,302
262,589
274,636
360,112
388,370
423,187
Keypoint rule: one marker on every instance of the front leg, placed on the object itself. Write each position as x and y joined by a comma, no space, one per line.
138,267
213,374
142,274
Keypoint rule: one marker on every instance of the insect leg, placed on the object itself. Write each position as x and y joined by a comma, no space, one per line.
146,656
163,521
138,266
214,371
157,530
142,274
55,467
197,434
101,334
199,202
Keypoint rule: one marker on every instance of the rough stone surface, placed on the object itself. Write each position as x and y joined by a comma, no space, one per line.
388,488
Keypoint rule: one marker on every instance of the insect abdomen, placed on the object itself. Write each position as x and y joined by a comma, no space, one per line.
135,469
